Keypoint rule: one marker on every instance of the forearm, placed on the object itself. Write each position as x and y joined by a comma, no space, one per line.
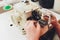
57,27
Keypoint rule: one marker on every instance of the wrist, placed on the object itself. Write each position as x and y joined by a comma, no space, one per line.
57,24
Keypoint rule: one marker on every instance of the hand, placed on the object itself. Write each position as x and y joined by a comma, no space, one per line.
56,25
34,30
54,21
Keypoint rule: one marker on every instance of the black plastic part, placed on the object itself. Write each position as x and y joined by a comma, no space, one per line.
37,17
46,3
11,24
43,23
34,0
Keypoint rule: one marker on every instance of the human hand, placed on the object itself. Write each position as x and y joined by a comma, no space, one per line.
34,30
54,21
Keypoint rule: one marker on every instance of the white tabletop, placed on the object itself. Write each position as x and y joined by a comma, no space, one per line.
8,32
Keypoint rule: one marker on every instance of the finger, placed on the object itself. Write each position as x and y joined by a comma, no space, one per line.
30,24
27,23
53,17
38,26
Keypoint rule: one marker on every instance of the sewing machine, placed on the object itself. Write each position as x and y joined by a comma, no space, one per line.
9,27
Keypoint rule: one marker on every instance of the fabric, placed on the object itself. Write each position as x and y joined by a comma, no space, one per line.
49,35
47,3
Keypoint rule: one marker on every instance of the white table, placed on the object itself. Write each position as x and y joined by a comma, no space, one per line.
8,32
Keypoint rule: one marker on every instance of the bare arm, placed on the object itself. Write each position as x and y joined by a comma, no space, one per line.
56,25
57,28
